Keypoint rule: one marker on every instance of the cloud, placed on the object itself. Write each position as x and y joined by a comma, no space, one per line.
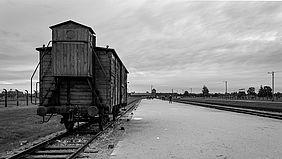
5,83
168,44
214,40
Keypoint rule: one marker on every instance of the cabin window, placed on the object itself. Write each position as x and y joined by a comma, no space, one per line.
70,34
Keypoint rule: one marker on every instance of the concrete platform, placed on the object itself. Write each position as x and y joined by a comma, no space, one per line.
159,130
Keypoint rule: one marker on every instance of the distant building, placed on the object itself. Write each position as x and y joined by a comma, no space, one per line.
242,90
133,94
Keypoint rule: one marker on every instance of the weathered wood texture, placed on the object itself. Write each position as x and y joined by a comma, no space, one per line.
123,85
72,55
46,77
115,80
102,76
79,92
110,78
71,59
111,87
71,32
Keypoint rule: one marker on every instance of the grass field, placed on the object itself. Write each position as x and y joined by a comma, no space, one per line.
13,102
22,124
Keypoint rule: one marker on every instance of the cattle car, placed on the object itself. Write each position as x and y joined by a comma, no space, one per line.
78,80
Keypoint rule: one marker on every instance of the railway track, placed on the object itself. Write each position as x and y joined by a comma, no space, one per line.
274,115
69,145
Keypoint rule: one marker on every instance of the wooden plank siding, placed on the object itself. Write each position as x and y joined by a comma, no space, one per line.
116,74
46,77
72,59
118,82
123,85
102,81
80,92
62,34
112,87
112,72
72,50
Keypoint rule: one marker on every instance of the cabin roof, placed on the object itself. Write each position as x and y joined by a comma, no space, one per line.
70,21
41,48
114,52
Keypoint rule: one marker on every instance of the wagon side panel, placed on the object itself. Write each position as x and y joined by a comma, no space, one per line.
118,82
46,78
102,77
124,86
113,80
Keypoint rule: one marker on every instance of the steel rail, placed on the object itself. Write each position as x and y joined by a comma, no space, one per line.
43,144
234,109
37,147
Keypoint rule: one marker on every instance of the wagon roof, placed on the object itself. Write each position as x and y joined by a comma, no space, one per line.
115,54
70,21
41,48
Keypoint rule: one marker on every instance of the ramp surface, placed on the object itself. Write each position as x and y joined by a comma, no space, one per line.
160,130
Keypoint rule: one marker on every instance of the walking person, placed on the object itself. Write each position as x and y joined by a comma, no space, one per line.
170,99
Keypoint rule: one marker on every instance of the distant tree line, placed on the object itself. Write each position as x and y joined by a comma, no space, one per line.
12,93
264,91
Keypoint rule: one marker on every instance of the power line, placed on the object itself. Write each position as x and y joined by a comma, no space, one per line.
272,73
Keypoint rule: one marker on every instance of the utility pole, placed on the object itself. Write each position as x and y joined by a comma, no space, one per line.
272,73
225,87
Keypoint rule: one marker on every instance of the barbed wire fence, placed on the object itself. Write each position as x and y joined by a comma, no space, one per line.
14,98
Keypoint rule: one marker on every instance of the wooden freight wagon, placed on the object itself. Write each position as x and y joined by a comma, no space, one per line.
78,80
111,78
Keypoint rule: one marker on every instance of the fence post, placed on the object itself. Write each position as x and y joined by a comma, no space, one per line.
26,97
17,97
6,97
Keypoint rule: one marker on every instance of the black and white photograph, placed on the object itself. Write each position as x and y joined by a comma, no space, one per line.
140,79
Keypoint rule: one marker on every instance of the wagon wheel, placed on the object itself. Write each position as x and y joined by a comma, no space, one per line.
69,125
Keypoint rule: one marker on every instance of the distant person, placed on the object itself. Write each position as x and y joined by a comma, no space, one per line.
170,99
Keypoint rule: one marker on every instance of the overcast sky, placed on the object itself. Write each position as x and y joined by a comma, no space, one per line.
168,44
